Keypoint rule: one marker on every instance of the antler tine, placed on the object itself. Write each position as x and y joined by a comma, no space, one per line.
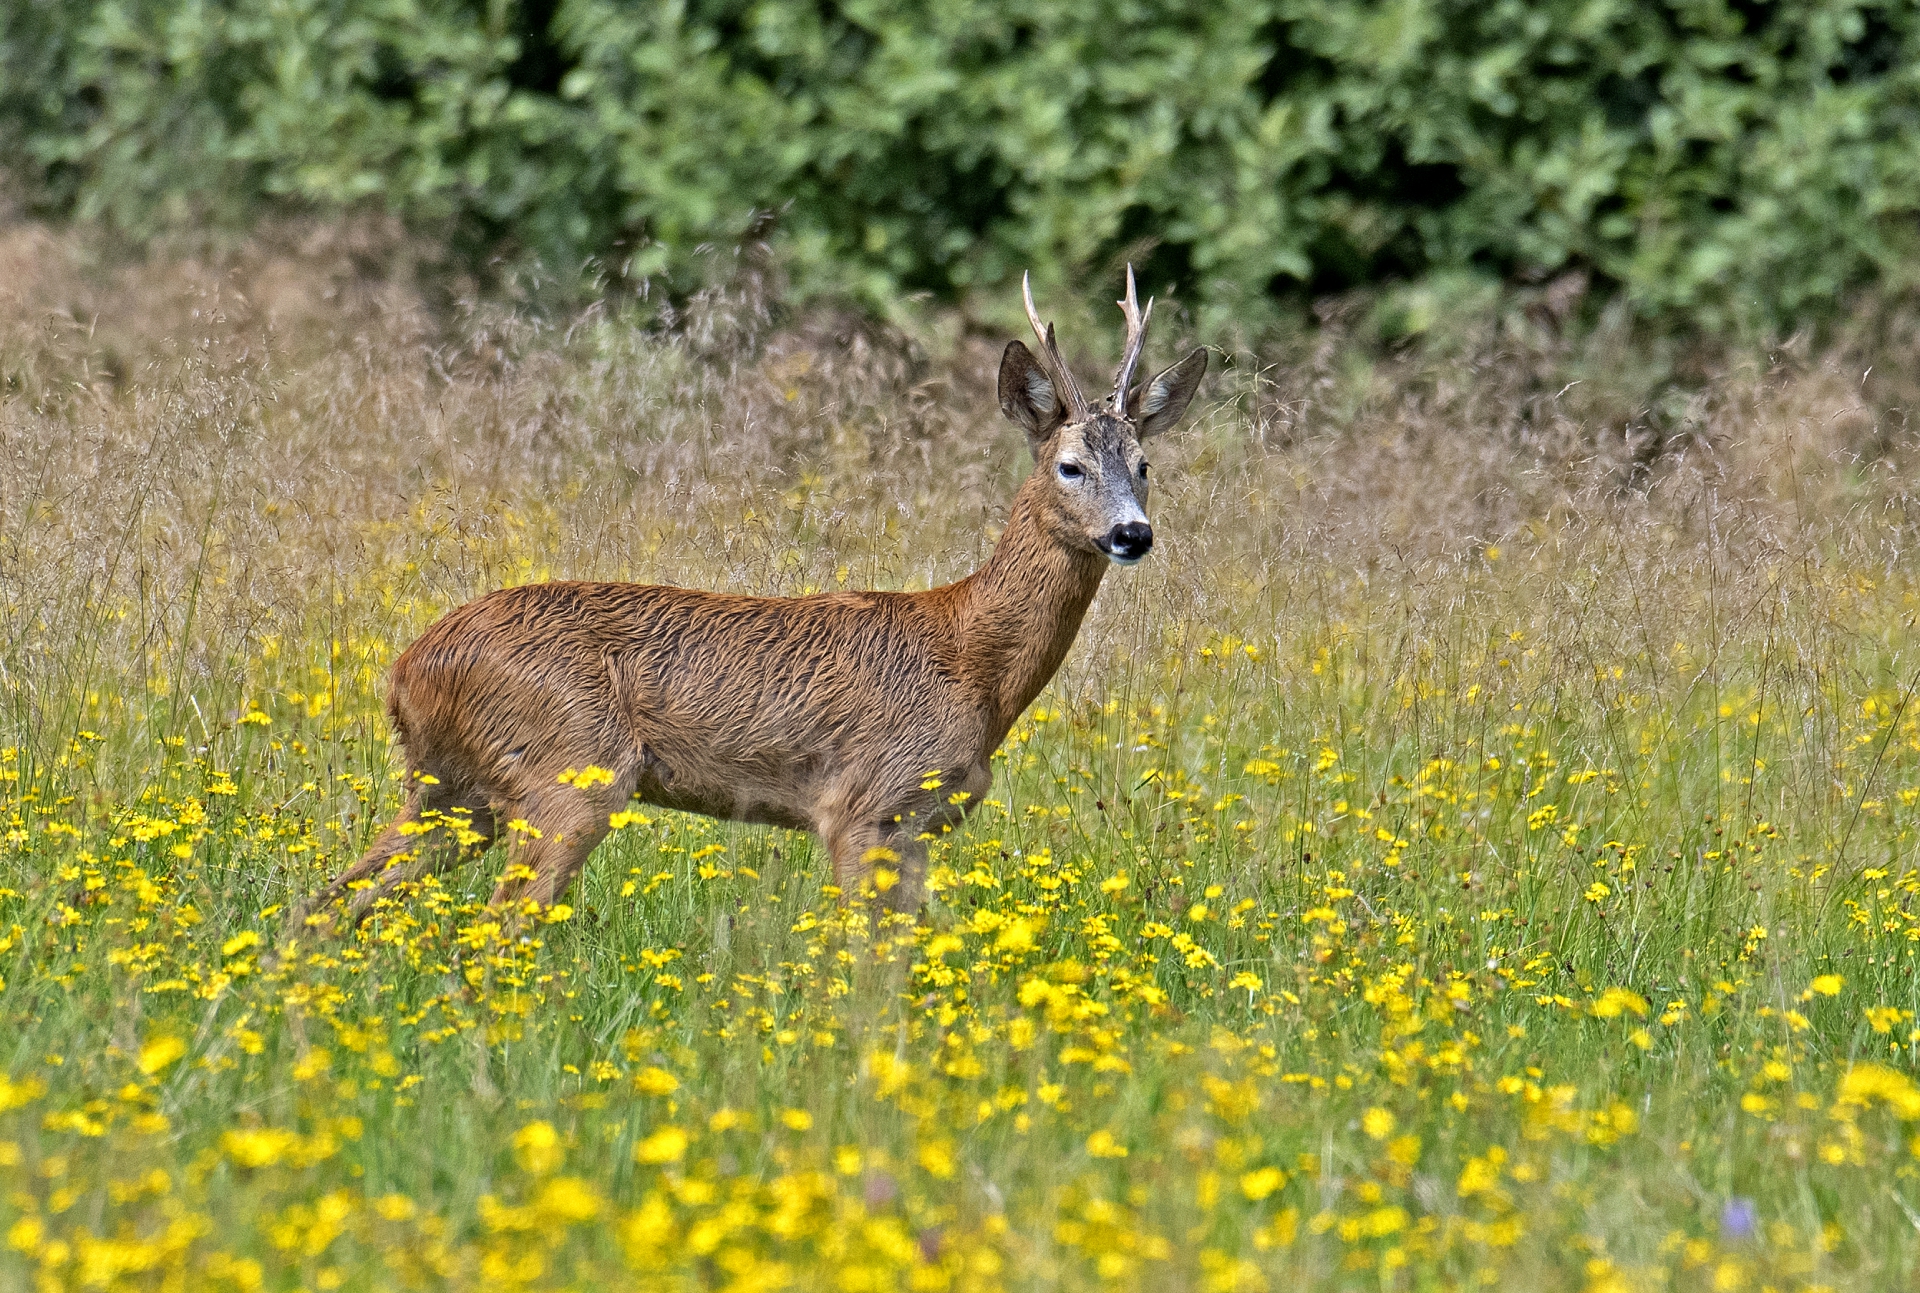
1136,342
1062,375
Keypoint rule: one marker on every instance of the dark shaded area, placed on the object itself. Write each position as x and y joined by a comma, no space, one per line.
542,63
1290,67
1876,53
1165,265
393,80
1760,21
1626,100
1392,191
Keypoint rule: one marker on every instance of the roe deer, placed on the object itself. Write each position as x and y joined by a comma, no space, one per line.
826,712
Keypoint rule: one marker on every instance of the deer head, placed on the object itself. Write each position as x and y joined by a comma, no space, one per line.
1090,455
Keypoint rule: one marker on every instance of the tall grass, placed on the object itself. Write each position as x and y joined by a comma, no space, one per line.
1476,850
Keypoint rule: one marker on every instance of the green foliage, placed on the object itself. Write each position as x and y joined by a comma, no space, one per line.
1738,163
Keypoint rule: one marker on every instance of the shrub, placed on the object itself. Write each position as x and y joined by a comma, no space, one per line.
1735,163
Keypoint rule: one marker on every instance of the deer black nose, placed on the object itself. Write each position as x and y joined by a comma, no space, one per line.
1130,541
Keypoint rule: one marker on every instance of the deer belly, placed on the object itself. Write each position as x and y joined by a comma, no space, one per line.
754,789
743,749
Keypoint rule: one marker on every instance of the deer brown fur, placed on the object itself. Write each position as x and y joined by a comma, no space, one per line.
835,713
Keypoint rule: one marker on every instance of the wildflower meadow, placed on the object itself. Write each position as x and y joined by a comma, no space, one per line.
1476,850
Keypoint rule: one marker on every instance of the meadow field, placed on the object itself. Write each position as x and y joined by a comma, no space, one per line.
1476,849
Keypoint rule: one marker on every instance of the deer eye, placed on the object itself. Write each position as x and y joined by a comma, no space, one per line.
1143,470
1070,471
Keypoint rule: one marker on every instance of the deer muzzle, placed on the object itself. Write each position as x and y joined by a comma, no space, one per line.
1127,542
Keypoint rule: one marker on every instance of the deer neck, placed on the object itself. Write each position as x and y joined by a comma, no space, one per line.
1022,610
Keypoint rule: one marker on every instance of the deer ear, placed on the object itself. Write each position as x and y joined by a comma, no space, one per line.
1027,395
1157,405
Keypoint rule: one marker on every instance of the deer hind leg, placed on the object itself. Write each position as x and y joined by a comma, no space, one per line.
390,843
433,830
549,839
462,830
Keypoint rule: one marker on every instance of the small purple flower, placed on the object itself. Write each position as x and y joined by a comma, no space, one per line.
931,1240
881,1190
1739,1219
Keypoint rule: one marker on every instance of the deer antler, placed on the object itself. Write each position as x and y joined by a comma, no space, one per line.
1077,409
1136,341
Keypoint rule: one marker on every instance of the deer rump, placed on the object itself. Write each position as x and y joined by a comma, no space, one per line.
780,711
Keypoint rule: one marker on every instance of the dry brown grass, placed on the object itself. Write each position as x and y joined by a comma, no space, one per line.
204,454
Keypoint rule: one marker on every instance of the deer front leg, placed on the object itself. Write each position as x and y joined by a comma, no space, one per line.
861,847
851,844
939,811
862,844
